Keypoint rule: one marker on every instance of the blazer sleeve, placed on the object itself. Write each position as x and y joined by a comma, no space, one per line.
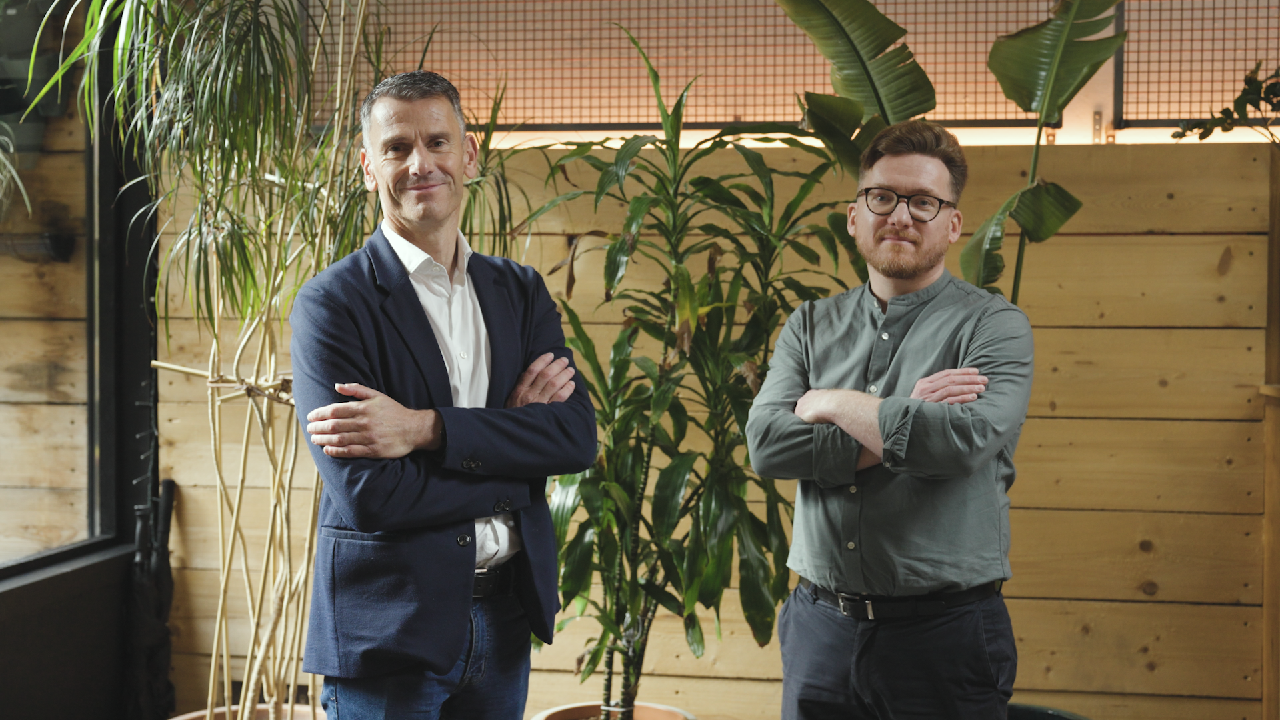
331,345
536,440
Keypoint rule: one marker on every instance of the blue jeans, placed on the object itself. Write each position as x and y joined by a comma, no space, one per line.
958,665
489,682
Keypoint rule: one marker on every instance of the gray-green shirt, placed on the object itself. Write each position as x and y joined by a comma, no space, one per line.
935,515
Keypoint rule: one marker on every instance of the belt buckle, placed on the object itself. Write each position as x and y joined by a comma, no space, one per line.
847,610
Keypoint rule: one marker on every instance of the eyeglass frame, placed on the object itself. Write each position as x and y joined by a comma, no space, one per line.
941,203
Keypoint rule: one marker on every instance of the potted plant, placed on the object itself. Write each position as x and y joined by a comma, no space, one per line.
665,523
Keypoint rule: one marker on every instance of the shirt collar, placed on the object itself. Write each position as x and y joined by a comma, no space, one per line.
416,259
919,297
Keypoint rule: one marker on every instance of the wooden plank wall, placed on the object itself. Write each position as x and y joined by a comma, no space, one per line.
1138,512
43,413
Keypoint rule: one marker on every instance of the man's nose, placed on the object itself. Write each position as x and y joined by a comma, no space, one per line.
901,216
421,162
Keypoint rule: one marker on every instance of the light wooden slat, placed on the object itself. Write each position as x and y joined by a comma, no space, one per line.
189,673
42,361
44,289
1142,707
706,698
1179,557
1191,466
188,344
1185,281
186,455
36,519
1199,650
44,446
56,186
1147,373
194,539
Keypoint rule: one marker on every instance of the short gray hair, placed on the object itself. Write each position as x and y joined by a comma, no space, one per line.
415,85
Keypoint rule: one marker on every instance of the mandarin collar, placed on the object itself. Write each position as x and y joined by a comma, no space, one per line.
919,297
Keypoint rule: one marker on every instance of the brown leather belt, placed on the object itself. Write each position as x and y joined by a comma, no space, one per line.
886,607
489,582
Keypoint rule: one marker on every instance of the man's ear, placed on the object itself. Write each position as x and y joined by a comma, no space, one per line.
370,182
955,225
470,156
853,216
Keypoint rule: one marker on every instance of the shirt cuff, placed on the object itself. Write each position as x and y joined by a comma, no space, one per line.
835,455
895,416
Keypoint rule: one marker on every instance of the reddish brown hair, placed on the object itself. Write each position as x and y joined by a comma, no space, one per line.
920,137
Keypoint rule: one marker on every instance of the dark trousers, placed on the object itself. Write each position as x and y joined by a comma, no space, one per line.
959,664
489,682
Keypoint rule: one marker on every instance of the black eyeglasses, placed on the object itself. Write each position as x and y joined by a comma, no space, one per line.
923,208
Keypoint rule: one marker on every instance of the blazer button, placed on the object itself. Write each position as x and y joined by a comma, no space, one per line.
464,540
501,507
470,464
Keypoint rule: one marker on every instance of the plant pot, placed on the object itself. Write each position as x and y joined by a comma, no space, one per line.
300,712
591,710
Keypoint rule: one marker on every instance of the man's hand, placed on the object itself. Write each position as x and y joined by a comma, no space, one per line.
813,406
950,386
547,380
372,426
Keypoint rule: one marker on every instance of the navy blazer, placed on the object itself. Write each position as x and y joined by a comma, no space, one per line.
395,553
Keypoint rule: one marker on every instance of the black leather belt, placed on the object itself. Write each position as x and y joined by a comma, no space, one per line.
494,581
885,607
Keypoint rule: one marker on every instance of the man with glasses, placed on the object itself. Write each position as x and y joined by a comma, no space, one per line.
898,406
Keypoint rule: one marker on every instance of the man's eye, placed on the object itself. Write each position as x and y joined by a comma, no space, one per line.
880,197
924,202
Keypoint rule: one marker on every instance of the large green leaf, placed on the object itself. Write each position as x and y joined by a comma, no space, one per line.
668,494
1042,210
1042,67
980,261
855,36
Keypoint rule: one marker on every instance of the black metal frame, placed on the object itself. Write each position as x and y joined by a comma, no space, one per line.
120,284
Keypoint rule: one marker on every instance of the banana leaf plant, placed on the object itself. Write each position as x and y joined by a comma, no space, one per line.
664,521
1256,93
877,81
1040,68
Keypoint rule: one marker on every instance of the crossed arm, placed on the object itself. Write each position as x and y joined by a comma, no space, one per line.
953,421
373,425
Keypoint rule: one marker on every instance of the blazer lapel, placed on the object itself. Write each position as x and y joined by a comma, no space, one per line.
500,323
404,311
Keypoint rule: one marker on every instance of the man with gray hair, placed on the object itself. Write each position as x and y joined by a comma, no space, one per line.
437,391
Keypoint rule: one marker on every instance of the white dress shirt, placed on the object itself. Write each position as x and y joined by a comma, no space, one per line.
458,324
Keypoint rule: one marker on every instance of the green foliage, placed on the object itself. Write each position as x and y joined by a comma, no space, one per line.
665,518
856,38
1256,93
9,179
1041,68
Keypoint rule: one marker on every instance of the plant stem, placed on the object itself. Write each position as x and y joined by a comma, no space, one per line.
1022,234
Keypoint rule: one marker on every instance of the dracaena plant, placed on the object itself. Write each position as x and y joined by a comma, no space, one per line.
665,523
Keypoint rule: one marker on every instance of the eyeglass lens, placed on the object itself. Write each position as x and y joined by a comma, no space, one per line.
922,207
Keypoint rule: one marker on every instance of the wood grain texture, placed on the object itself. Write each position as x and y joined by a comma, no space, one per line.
37,519
1199,650
44,289
43,361
1179,557
1142,707
56,186
1148,373
185,447
44,446
1175,466
194,539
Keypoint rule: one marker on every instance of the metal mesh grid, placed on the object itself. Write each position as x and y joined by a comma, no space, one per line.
1186,59
565,64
